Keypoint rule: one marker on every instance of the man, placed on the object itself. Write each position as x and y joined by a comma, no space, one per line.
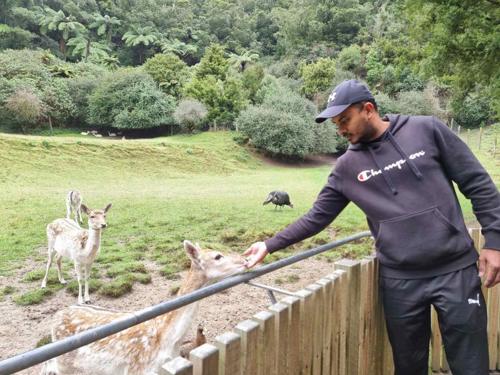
399,171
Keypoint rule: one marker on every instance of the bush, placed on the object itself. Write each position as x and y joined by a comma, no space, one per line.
190,114
386,104
317,76
25,107
14,37
224,99
472,111
129,99
350,59
169,72
278,133
252,81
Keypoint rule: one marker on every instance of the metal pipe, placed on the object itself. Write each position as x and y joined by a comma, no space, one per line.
46,352
271,288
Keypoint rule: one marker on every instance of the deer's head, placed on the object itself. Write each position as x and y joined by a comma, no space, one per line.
214,264
97,218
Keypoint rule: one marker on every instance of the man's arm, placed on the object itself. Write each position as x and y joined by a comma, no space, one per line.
474,182
328,205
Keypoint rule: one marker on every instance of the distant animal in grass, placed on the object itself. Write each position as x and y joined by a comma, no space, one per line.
73,205
278,198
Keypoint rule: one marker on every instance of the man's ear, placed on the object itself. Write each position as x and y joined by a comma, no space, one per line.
85,209
107,208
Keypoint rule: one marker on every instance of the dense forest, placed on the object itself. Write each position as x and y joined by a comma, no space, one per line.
262,67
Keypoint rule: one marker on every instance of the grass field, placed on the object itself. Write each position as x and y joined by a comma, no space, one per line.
204,188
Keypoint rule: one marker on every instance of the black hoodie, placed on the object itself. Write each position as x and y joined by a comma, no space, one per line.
403,183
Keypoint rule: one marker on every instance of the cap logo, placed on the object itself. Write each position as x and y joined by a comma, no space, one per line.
331,98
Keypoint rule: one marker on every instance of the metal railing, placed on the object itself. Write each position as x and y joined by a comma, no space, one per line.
55,349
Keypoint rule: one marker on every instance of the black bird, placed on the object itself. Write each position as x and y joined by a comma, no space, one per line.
278,198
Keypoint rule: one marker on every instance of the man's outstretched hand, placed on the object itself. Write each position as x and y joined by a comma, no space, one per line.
489,267
255,254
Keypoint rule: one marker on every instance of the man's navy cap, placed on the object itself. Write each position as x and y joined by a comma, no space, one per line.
342,96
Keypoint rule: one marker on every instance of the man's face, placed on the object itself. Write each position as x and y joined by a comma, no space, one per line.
355,123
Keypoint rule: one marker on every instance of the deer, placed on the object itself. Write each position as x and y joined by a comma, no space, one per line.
73,203
143,348
67,239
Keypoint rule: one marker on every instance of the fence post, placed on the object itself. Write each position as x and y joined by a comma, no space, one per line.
205,359
327,290
353,269
249,332
480,138
281,314
267,342
177,366
294,334
306,311
229,345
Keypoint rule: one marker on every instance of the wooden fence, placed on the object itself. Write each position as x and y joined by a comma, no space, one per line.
333,326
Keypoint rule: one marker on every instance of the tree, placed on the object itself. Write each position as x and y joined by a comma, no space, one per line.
140,37
240,61
83,46
168,71
104,25
317,76
63,25
213,63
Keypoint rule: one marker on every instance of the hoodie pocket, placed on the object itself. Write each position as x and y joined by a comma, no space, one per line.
418,240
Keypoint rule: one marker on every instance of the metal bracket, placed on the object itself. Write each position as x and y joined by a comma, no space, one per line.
270,290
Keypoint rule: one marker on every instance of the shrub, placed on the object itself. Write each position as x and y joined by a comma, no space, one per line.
317,76
350,59
252,81
224,99
386,104
25,107
190,114
473,110
169,72
14,37
57,100
129,99
278,133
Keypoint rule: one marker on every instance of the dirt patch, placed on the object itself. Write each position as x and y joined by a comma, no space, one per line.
21,327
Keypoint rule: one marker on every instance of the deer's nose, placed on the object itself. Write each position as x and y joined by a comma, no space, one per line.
104,225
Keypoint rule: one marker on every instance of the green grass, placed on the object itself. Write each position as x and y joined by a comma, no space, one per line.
205,188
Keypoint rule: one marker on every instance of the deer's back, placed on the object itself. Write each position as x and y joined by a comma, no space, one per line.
133,349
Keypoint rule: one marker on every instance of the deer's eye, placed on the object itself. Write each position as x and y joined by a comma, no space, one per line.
218,257
92,216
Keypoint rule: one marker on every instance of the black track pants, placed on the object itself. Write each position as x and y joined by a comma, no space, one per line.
461,311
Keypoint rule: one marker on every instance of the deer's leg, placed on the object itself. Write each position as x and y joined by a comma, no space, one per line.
87,275
59,272
79,215
78,270
68,210
51,253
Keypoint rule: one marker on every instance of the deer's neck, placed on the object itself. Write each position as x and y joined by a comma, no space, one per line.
174,326
93,242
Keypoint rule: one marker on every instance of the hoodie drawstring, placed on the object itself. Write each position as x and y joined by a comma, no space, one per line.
387,178
411,164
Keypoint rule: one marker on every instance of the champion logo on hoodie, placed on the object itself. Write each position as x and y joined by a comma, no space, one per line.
365,175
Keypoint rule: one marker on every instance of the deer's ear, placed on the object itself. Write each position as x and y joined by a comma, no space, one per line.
107,207
85,209
192,250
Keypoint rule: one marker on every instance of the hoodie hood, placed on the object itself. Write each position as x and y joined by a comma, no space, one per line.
396,122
